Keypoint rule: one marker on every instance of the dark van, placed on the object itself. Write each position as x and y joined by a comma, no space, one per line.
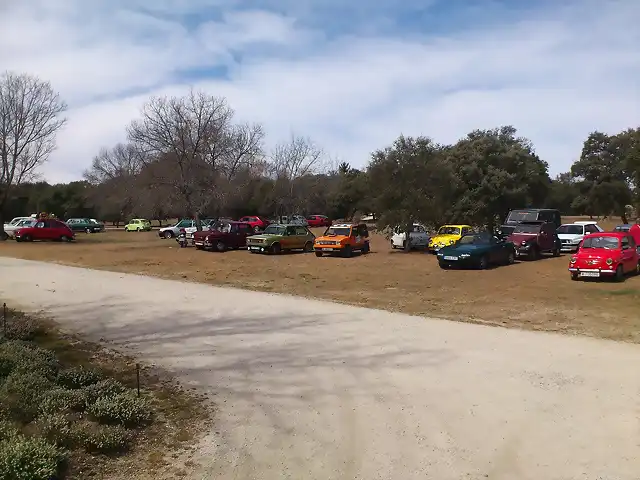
548,215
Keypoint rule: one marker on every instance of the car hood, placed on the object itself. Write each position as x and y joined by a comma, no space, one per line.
264,237
445,238
521,237
332,238
465,249
570,236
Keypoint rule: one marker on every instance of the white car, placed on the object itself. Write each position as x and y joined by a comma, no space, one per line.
15,221
10,230
418,238
174,230
571,234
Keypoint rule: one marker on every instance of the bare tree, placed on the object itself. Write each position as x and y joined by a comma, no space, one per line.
114,171
290,161
193,146
30,118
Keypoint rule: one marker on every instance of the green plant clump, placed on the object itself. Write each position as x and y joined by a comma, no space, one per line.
23,458
78,377
122,409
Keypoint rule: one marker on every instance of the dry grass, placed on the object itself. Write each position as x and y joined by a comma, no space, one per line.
532,295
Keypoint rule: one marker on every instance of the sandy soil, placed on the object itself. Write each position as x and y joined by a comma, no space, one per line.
315,390
531,295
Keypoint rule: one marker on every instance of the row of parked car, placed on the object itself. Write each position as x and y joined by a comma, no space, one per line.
38,227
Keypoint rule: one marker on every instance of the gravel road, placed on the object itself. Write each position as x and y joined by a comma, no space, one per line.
314,390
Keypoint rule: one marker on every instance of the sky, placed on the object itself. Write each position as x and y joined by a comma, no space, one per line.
352,76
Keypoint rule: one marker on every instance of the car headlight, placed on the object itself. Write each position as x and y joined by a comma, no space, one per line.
440,254
576,240
609,261
451,242
465,255
573,259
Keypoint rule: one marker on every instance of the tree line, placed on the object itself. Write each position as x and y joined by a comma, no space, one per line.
188,156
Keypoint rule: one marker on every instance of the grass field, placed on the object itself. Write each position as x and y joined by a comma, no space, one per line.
533,295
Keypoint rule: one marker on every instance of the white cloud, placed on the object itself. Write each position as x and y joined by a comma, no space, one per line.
555,76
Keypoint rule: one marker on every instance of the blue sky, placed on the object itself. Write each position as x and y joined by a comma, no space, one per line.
350,75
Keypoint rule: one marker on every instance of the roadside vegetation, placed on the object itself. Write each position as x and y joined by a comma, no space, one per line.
70,409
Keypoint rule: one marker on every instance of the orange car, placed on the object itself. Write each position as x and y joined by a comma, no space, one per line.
344,239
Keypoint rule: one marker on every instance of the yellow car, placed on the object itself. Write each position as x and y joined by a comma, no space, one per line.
138,225
448,235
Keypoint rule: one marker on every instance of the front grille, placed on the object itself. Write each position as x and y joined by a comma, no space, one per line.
256,240
327,242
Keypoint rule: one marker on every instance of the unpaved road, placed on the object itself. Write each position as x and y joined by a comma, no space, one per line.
314,390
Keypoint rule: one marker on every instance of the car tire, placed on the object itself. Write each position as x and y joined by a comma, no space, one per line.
256,229
483,264
619,276
276,249
574,276
511,258
535,253
443,265
221,246
88,230
27,238
366,248
64,238
393,245
318,254
167,234
4,237
347,252
308,247
556,252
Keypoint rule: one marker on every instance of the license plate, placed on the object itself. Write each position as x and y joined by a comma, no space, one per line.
589,274
450,258
254,248
200,244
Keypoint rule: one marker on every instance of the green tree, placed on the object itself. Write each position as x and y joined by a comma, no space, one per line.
603,176
498,172
411,181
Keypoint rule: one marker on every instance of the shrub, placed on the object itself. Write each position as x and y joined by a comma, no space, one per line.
78,377
55,428
123,409
8,430
62,400
104,388
21,393
27,357
22,328
106,439
28,459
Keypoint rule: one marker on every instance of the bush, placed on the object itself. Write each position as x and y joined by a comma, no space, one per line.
104,388
8,430
21,393
55,428
26,357
22,328
28,459
106,439
62,400
78,377
123,409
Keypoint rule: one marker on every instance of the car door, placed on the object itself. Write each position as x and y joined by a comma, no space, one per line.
628,254
301,236
244,230
289,238
547,237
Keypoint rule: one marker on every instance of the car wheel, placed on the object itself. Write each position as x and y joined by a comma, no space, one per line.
619,274
256,229
638,269
348,251
4,236
64,238
318,254
535,253
393,245
220,246
308,247
88,230
443,265
511,258
556,252
484,263
167,234
366,248
139,230
276,249
574,276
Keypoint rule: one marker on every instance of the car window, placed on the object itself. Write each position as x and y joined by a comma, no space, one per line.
301,231
570,229
609,243
625,243
291,230
184,224
526,228
591,229
632,242
449,231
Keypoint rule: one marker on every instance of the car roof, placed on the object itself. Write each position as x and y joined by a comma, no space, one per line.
346,224
532,222
535,210
456,225
609,234
584,222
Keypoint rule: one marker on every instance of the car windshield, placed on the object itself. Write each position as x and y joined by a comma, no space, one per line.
449,231
15,221
610,243
342,231
522,216
475,240
526,228
25,223
506,230
622,228
275,230
571,229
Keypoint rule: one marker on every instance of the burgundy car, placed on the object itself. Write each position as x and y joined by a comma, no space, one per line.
47,229
223,236
532,239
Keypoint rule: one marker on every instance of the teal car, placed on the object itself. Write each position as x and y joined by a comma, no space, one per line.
478,250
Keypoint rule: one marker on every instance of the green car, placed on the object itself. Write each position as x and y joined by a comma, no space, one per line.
478,251
138,225
278,238
84,225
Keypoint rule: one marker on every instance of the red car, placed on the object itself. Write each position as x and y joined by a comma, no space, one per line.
223,236
606,254
257,223
47,229
318,221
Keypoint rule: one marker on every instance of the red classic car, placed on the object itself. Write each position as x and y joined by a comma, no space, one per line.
257,223
318,221
46,229
605,254
223,236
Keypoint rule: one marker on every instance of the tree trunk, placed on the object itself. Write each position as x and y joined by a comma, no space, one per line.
198,223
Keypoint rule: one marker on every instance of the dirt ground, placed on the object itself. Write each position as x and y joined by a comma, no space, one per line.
532,295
